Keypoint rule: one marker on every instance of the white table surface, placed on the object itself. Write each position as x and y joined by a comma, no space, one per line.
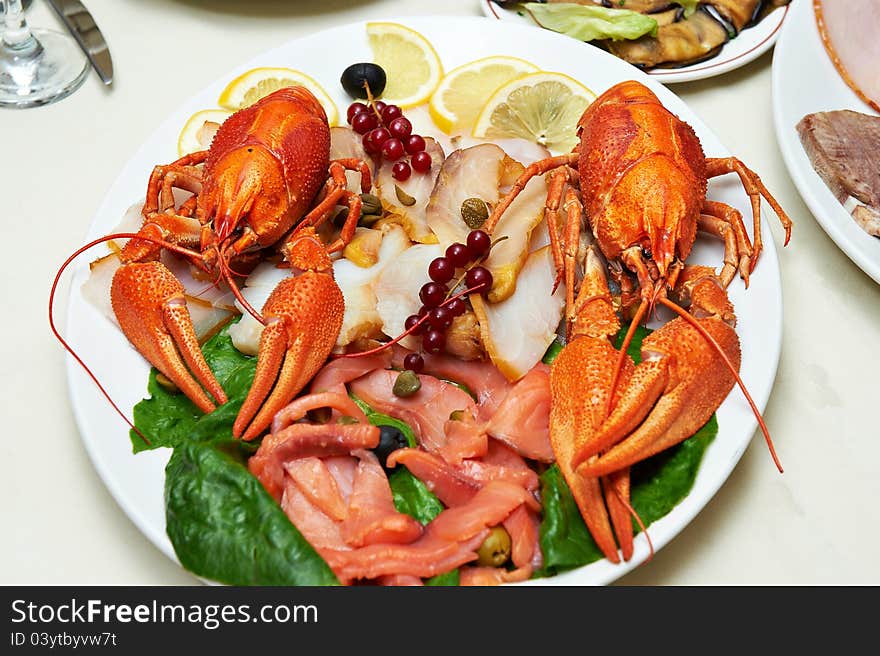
819,523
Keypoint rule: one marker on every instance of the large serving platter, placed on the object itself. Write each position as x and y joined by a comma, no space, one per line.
136,481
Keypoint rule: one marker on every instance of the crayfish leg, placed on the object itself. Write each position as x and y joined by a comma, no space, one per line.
304,317
151,309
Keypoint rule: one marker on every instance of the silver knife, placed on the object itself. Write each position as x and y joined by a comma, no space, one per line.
81,24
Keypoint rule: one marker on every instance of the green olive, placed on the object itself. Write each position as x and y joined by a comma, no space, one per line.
406,384
474,212
167,384
404,198
346,419
495,549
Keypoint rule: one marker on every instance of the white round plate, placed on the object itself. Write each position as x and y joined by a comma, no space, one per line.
136,481
750,44
805,81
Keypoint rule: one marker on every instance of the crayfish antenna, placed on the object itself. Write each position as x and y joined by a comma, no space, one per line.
227,273
632,511
627,339
696,324
68,347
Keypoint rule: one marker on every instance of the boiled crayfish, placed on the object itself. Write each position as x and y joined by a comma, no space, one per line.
265,182
640,175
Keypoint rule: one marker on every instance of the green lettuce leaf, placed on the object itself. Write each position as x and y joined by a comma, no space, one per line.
591,23
167,419
690,6
225,526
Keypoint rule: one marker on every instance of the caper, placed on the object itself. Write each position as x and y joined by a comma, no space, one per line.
358,77
167,384
370,204
367,220
406,384
404,198
495,549
474,212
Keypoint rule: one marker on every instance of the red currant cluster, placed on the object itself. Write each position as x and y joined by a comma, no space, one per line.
388,133
438,304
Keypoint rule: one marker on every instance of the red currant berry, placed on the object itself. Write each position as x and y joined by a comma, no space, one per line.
414,144
414,362
433,294
411,321
401,171
392,149
456,307
440,318
379,106
433,341
441,270
355,109
364,122
421,162
400,127
478,242
374,139
479,279
459,254
390,113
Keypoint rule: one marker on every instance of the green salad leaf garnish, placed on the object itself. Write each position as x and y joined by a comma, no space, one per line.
226,527
591,22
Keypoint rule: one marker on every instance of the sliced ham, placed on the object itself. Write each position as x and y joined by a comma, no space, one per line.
302,440
844,149
427,411
344,370
372,517
481,377
522,420
455,484
321,531
449,541
298,408
849,31
523,526
318,485
400,580
487,576
452,486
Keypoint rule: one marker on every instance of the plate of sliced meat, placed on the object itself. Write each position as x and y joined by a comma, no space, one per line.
826,69
671,40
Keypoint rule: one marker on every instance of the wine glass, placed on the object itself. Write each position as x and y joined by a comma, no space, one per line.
37,66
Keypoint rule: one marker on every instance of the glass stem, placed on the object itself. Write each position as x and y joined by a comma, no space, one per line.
16,33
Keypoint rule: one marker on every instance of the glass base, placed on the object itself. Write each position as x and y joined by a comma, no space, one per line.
38,76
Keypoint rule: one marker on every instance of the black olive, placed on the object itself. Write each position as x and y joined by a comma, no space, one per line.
390,440
355,78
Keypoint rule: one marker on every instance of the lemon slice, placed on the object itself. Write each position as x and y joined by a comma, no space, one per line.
195,135
411,64
252,85
463,92
542,107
